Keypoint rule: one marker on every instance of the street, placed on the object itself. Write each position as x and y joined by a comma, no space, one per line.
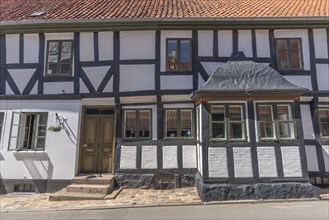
273,210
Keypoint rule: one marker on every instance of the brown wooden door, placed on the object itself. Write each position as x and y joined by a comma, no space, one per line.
97,146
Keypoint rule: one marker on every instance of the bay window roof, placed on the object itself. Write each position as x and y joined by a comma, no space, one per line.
246,78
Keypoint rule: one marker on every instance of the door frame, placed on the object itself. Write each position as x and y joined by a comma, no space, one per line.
82,132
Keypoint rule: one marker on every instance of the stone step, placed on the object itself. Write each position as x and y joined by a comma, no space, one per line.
94,179
63,195
90,188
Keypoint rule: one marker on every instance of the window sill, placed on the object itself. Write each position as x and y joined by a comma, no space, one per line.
29,152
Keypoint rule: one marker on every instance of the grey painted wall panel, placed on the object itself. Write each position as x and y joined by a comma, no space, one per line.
137,77
291,162
312,160
176,82
217,159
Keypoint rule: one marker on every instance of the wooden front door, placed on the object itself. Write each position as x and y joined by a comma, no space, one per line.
97,141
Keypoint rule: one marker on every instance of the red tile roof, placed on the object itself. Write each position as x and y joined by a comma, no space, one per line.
18,10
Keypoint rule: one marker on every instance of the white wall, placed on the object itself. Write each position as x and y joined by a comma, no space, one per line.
312,159
31,48
320,43
302,81
307,122
149,157
87,46
267,162
262,43
322,74
12,48
205,44
137,77
217,159
105,44
58,87
177,82
245,42
58,161
291,162
137,45
242,162
21,77
128,157
225,43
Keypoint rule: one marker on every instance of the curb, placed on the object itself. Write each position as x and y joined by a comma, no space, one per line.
232,202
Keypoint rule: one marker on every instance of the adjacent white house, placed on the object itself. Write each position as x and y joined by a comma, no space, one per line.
235,104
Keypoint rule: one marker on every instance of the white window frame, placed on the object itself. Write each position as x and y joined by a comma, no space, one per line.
17,131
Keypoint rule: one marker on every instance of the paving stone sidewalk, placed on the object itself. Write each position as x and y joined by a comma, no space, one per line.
127,197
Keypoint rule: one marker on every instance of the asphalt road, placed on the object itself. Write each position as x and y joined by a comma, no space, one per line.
278,210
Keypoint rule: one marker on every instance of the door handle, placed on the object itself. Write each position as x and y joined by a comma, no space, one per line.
85,145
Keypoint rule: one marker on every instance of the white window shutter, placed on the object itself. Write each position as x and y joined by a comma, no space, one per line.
14,131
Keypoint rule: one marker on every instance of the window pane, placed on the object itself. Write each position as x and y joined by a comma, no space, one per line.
130,123
284,112
172,55
285,129
40,143
41,131
66,47
185,54
171,123
43,119
186,123
282,50
265,112
266,130
236,130
295,55
53,48
324,122
65,68
235,113
144,123
218,130
218,113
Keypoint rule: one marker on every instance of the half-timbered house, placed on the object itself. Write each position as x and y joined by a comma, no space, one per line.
229,96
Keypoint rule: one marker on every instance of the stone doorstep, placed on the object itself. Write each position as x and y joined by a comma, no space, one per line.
106,179
63,195
89,188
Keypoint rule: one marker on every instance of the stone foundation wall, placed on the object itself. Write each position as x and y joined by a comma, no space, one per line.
41,186
163,180
219,192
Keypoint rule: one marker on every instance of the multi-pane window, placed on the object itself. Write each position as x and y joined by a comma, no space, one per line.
324,122
178,123
289,54
179,55
1,123
227,122
28,131
59,58
137,124
275,121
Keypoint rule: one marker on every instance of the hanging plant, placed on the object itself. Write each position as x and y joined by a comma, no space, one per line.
55,128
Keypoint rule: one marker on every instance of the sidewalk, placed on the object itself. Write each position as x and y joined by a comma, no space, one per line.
127,197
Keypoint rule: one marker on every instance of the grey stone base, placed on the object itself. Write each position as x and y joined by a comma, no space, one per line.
41,186
219,192
156,181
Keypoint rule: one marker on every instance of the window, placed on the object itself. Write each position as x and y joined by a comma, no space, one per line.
179,55
227,122
1,123
275,121
59,58
178,123
289,54
324,122
28,131
137,124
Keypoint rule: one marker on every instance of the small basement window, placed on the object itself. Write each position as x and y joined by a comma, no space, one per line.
24,187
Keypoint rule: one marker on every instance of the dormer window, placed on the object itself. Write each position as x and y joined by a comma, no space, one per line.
59,58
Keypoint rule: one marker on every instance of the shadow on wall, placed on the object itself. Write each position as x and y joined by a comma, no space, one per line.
66,127
31,159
